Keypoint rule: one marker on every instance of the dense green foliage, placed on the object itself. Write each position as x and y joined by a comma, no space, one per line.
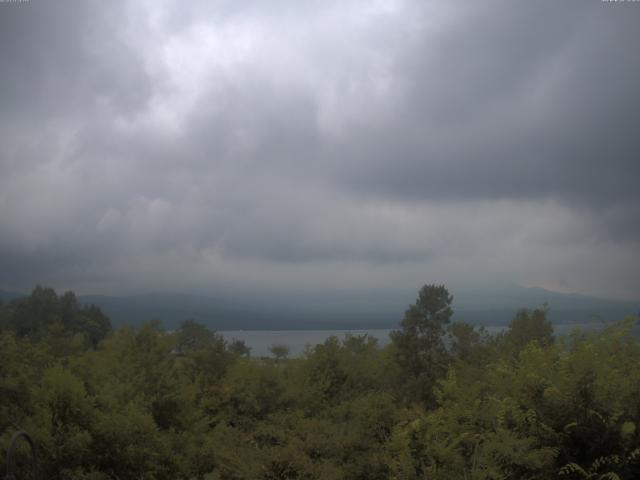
442,401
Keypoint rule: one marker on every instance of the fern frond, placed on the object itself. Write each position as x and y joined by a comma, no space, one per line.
609,476
570,468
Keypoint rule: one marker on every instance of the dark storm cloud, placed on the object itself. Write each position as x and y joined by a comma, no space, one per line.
172,144
533,100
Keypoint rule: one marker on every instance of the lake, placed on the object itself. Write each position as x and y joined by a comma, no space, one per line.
297,340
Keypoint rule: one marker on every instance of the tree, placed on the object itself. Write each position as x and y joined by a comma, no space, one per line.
93,323
44,313
239,348
469,344
280,351
419,347
194,336
28,315
529,326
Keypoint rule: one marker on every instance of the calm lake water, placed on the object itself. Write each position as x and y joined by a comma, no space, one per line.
297,340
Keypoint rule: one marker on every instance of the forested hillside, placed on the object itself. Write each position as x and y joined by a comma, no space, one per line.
443,401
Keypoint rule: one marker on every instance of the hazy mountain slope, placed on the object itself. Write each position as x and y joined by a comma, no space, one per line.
495,307
484,306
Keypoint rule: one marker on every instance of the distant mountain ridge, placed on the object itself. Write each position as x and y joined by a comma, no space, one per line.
487,306
7,296
497,307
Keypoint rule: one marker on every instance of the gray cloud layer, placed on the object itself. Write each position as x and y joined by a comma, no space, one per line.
319,145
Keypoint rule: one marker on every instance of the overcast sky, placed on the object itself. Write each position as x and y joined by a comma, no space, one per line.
320,146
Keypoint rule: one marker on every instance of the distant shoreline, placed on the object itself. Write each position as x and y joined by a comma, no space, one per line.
297,340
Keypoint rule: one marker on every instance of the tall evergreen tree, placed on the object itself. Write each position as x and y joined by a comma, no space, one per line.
419,345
